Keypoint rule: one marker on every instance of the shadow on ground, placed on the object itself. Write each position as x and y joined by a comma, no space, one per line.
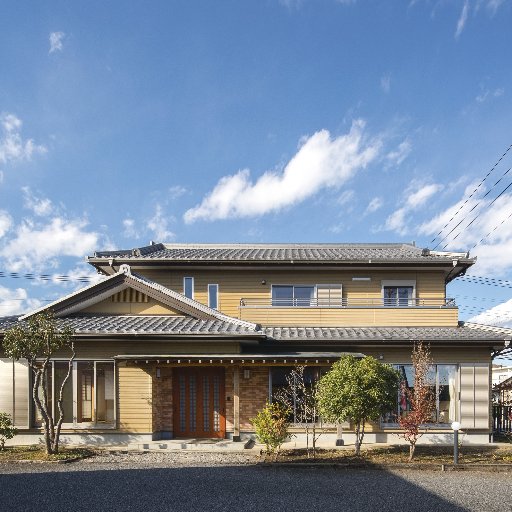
248,488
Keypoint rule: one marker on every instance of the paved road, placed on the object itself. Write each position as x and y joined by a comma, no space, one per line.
90,486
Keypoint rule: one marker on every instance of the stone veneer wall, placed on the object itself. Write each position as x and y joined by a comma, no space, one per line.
162,400
253,395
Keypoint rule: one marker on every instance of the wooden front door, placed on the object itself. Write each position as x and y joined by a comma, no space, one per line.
199,402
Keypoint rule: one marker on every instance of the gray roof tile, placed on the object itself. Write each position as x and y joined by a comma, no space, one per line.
175,325
279,253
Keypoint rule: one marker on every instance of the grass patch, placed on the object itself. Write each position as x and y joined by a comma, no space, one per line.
37,453
400,454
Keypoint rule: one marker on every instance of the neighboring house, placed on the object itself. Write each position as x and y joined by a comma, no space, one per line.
186,340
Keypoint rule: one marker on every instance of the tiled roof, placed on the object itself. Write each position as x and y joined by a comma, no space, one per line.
143,325
461,333
176,325
280,253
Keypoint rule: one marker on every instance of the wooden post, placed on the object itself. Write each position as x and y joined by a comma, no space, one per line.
236,403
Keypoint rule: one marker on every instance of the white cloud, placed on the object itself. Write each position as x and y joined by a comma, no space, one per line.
41,206
396,157
177,191
385,83
36,246
12,146
15,302
346,197
491,5
56,39
463,18
159,223
374,205
130,230
5,222
417,196
492,223
500,315
487,94
320,162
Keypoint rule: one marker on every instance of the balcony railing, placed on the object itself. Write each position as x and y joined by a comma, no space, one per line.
347,303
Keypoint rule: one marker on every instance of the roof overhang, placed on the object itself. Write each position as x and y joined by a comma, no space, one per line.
283,358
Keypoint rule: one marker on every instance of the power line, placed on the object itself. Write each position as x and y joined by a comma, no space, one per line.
47,277
474,206
472,193
490,281
477,215
492,231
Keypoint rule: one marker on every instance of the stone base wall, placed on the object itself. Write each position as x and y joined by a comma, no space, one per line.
253,395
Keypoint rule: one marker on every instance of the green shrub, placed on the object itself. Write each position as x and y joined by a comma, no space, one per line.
271,427
7,430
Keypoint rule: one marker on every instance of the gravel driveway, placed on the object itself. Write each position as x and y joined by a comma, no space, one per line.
210,481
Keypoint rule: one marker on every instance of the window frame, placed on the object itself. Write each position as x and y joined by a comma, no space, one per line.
294,301
436,424
211,286
112,425
399,283
192,288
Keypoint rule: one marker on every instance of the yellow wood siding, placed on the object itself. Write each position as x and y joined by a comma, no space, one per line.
352,317
134,391
151,307
255,284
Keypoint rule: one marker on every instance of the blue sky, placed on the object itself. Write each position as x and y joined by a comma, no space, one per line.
251,121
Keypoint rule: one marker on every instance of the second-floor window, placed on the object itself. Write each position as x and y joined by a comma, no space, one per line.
188,287
398,295
213,296
293,295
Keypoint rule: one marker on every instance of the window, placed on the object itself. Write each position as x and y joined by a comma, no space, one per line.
89,395
443,379
293,295
213,296
399,293
278,381
188,287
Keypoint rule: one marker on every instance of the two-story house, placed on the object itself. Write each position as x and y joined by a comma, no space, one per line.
191,340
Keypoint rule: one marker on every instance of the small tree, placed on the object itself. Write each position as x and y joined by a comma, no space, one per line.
36,340
300,396
271,426
420,398
7,430
358,390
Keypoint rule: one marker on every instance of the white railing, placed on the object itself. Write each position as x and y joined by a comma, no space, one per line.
347,303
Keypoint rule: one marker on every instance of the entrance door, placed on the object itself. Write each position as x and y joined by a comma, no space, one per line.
198,402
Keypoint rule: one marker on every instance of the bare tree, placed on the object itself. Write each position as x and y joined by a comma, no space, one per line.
36,340
300,396
421,399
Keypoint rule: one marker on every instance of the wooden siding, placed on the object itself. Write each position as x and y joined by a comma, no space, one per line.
255,284
474,396
106,349
352,317
151,307
134,402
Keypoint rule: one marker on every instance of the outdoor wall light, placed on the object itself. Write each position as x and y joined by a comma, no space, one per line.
361,279
456,427
263,281
247,374
158,373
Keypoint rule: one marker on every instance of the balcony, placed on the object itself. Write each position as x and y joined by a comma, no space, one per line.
354,312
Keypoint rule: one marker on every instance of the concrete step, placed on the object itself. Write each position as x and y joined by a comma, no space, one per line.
200,445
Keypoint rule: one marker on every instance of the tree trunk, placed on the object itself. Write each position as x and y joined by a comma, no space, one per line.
358,446
412,448
60,400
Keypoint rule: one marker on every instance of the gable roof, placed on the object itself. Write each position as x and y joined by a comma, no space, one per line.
115,283
275,253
